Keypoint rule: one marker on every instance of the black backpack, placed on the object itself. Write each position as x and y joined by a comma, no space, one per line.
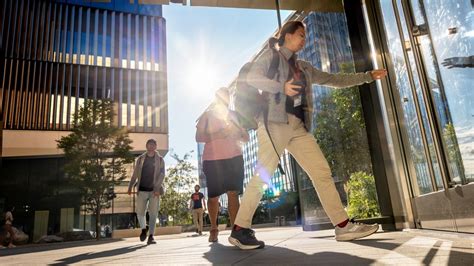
248,102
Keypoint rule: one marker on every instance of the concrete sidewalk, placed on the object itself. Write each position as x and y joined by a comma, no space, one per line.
285,246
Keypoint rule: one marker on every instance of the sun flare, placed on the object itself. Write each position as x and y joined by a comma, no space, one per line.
202,78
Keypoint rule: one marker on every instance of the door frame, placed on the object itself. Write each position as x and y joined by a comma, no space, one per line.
383,129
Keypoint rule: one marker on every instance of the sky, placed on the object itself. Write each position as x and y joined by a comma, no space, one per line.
205,49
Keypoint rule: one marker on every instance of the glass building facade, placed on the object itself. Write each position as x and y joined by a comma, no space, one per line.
54,56
279,182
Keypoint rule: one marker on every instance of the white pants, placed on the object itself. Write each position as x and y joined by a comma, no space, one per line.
304,148
147,200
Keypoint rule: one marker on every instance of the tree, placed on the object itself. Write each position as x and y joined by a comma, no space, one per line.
96,154
341,133
179,185
454,153
362,196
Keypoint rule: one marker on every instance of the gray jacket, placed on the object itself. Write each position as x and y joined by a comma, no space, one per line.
277,110
159,174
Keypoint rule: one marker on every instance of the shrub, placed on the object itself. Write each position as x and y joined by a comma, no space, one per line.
362,196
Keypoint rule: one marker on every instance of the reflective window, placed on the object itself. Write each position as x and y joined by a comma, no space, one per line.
338,120
451,25
412,123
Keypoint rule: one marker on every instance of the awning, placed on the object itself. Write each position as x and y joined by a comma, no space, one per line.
300,5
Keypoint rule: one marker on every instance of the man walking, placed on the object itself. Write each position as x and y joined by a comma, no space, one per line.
148,174
198,207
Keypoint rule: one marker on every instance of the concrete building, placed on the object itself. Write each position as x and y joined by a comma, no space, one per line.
54,55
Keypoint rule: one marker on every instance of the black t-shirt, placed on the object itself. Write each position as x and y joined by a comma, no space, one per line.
298,77
147,179
196,198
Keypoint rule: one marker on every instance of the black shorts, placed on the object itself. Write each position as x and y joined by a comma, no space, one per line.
224,175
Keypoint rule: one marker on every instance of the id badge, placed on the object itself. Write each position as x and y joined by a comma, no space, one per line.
297,101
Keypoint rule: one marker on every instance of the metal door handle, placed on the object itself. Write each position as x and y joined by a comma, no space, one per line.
419,30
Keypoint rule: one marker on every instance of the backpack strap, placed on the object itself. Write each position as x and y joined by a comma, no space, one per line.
265,123
272,71
274,64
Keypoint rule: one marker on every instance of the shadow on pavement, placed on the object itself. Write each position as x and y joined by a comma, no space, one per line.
33,248
274,255
456,257
97,255
196,235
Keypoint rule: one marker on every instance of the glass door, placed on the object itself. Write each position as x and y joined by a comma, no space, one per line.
436,102
446,48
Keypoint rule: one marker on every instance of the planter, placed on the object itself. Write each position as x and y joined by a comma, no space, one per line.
159,231
188,228
125,233
75,235
168,230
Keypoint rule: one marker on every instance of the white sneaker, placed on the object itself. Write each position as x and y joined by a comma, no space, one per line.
355,230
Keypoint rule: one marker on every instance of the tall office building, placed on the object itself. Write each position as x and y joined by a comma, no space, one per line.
327,47
201,176
55,55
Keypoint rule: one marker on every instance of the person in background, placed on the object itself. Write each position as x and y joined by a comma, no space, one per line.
223,163
148,175
198,207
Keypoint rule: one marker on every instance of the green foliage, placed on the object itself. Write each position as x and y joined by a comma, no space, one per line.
449,134
362,196
454,153
96,154
223,219
341,133
179,185
342,136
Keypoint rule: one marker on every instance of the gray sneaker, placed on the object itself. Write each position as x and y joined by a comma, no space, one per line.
355,230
